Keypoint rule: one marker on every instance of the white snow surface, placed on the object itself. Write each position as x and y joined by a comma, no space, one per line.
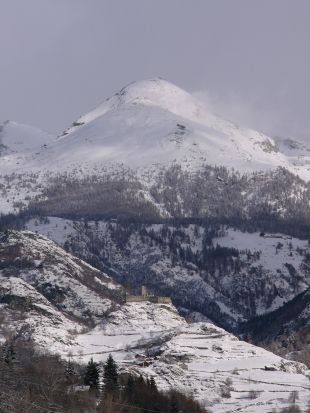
272,258
17,139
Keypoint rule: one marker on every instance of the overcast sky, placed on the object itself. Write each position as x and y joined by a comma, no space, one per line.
248,59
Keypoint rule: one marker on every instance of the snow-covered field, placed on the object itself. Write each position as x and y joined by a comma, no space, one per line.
273,255
56,229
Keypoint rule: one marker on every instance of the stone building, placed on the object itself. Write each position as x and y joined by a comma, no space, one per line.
146,296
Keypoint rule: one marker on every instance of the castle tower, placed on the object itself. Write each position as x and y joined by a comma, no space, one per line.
144,291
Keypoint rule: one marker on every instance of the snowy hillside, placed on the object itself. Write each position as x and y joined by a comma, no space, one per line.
19,139
28,314
196,265
48,295
222,372
68,283
68,307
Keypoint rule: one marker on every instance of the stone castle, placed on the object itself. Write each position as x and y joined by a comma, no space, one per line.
146,296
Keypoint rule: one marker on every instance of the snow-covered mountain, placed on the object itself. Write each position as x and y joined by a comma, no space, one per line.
154,122
141,136
66,306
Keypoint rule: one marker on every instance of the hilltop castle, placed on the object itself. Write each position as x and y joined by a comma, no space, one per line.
146,296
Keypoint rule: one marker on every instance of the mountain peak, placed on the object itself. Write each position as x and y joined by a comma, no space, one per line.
157,91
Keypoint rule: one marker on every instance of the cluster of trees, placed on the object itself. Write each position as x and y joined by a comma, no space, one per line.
285,330
275,200
94,196
271,201
36,382
128,250
219,192
129,394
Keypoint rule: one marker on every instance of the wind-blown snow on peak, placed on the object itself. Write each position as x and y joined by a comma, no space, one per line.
159,92
153,92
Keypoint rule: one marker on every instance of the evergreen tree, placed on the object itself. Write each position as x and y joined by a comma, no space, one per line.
92,373
130,387
140,380
69,372
153,384
8,352
174,402
110,375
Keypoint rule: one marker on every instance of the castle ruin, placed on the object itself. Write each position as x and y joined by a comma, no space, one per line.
147,297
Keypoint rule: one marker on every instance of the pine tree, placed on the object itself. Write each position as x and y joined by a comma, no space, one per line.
140,380
174,405
153,384
92,373
69,372
130,387
8,354
110,375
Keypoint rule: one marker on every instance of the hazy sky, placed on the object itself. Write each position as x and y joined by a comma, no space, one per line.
248,59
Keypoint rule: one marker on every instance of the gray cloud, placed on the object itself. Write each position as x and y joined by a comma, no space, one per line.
274,114
59,58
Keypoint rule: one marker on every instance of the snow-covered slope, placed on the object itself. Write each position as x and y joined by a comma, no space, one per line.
69,284
252,275
19,145
48,295
68,307
155,122
225,374
17,138
27,314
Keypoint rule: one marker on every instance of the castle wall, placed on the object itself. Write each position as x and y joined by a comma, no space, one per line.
152,299
164,300
136,299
